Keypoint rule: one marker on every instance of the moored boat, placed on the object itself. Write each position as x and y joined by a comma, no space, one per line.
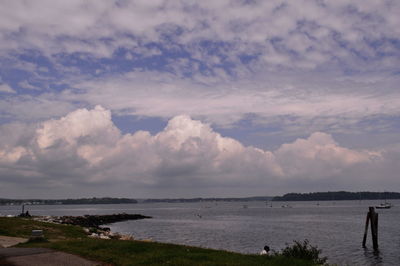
384,205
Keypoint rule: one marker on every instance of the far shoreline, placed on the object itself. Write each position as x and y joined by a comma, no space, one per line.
311,196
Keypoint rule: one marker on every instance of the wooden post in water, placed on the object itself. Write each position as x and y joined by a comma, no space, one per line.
366,230
374,228
23,206
372,217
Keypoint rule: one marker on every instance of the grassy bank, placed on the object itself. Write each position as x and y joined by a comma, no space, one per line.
22,227
72,239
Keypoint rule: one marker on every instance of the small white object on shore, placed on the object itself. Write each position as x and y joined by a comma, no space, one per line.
101,236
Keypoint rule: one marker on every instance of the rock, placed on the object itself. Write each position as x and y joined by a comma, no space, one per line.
97,220
126,237
94,235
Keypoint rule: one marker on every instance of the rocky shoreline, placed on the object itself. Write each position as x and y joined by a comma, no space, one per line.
96,220
92,223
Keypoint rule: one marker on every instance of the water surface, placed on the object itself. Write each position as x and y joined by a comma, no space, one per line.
336,227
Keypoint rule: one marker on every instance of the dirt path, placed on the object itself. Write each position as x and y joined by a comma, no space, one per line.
41,257
8,241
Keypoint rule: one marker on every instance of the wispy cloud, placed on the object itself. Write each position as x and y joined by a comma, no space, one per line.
5,88
226,102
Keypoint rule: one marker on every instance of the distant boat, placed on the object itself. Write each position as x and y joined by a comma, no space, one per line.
384,205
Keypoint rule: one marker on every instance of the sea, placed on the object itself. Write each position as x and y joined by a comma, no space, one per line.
335,227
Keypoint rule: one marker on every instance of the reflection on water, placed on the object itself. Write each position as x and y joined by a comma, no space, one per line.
374,256
335,227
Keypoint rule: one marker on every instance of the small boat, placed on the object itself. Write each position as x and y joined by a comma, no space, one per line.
384,205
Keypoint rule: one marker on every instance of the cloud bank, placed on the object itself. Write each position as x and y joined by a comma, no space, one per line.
84,148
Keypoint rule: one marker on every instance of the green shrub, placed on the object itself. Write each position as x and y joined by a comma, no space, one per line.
303,250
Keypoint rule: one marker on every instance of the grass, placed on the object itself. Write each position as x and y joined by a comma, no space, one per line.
72,239
22,227
119,252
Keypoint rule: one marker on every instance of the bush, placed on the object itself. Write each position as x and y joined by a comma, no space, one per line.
303,250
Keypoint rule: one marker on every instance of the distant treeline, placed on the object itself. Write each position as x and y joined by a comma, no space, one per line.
338,195
262,198
318,196
66,201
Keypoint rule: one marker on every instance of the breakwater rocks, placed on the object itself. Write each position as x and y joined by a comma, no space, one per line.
97,220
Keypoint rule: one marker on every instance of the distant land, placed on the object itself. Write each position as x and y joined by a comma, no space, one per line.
119,200
322,196
313,196
66,201
260,198
338,195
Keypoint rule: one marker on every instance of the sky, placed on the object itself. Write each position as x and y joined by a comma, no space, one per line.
152,99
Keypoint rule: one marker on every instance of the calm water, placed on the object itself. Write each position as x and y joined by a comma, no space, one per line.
335,227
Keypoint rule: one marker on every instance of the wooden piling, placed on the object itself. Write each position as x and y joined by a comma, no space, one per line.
372,218
374,230
366,230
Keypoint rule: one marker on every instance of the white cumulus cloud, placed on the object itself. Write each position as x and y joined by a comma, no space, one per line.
84,147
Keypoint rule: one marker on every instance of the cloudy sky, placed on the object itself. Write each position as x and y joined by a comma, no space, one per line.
198,98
